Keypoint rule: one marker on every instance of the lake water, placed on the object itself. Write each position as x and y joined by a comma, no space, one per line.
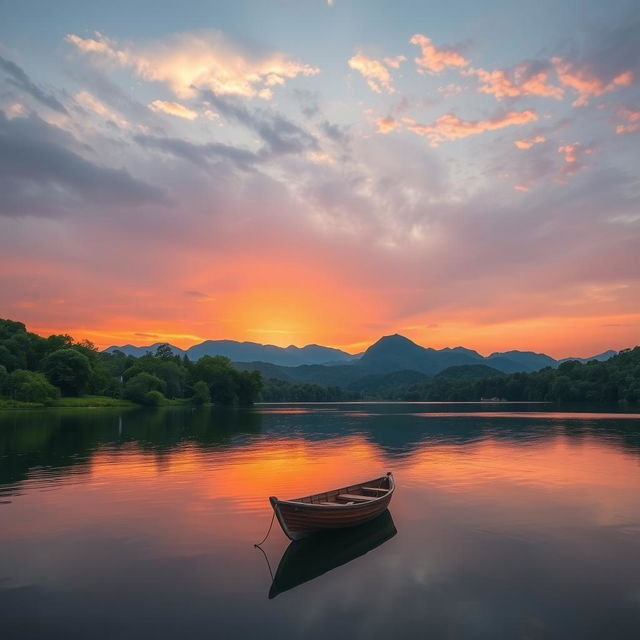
508,521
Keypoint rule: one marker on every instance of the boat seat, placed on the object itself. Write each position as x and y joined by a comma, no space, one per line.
349,496
375,489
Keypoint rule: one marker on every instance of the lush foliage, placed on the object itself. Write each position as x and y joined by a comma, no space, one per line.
31,386
615,380
38,370
69,370
280,391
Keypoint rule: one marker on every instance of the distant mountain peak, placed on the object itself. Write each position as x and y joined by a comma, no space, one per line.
395,338
393,352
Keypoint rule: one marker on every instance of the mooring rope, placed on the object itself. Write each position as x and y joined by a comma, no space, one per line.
273,517
264,553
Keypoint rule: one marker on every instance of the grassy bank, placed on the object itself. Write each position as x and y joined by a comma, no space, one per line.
83,401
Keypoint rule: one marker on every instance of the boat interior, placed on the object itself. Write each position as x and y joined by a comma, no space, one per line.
355,494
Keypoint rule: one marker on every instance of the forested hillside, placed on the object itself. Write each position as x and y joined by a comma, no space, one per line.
41,370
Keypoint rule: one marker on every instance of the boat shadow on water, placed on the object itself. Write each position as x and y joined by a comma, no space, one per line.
307,559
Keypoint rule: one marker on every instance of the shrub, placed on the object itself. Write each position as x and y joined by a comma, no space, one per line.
201,393
30,386
137,387
153,398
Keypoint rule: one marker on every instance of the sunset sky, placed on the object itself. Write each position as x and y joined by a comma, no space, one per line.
313,171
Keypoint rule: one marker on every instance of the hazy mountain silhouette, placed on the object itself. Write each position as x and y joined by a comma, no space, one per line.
391,354
395,353
512,361
601,357
290,356
138,352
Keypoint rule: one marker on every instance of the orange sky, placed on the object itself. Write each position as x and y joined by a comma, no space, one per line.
228,181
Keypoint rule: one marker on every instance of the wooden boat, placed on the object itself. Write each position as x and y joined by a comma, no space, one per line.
335,509
310,558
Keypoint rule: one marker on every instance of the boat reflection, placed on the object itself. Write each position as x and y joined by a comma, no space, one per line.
309,558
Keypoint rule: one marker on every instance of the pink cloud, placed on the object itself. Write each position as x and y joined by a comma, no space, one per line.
386,125
206,59
527,143
450,127
434,60
574,154
503,83
632,121
585,82
376,72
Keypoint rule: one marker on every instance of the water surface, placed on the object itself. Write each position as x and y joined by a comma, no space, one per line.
508,522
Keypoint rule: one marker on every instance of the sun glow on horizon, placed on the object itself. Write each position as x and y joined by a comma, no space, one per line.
238,180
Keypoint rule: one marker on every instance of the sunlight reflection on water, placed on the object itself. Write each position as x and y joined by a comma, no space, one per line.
499,517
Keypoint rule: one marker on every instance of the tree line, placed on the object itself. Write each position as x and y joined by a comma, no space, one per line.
616,380
41,370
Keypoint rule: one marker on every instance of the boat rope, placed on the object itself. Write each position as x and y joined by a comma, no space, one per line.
273,517
266,558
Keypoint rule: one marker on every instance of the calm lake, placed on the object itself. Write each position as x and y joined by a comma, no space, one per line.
508,521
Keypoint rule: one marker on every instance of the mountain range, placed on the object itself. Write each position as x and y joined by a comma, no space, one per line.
328,366
290,356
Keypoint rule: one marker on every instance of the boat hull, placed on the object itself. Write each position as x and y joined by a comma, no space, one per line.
307,559
301,519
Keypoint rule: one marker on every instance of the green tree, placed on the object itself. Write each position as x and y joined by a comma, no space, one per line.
201,394
164,352
4,379
69,370
31,386
218,374
248,386
153,398
138,387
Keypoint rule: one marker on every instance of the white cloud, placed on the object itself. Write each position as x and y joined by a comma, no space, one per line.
203,59
173,109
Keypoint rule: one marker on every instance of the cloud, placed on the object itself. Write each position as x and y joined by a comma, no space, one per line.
434,60
173,109
527,143
308,101
376,72
450,90
198,295
527,79
632,121
574,154
279,134
91,103
40,175
199,154
451,127
585,82
19,79
386,125
208,59
335,132
607,59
